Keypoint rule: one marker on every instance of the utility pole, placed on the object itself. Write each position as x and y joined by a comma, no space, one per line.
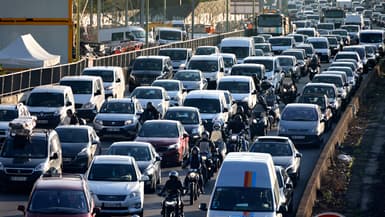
192,18
126,14
164,10
227,16
78,30
91,13
98,13
142,13
253,11
147,20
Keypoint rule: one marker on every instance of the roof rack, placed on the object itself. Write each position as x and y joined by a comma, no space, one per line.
22,126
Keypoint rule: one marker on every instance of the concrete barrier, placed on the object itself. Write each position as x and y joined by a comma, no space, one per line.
309,196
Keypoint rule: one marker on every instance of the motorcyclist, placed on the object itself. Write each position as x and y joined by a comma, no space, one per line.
70,119
218,139
288,89
173,187
206,145
150,113
195,161
238,126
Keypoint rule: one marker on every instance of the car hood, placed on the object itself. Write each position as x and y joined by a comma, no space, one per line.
209,116
283,161
240,96
4,125
143,165
71,149
112,188
190,127
298,127
82,98
114,117
21,162
39,109
158,141
191,84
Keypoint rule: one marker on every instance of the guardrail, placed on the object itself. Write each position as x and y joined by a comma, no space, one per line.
309,196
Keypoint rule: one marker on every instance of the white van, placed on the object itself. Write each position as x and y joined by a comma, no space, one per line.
166,35
212,66
88,92
113,79
132,33
242,47
246,183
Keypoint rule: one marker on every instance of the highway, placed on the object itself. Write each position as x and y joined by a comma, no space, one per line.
11,199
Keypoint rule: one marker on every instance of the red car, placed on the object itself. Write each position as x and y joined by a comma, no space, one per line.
168,137
66,196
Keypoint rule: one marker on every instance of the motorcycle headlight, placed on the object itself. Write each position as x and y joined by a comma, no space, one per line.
173,147
42,167
83,152
284,90
134,194
234,138
128,122
88,105
98,121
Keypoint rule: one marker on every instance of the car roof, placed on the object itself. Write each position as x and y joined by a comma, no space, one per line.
60,182
205,57
301,105
166,80
203,94
259,58
150,87
102,68
269,138
122,100
8,106
317,38
176,48
161,121
111,159
320,84
74,127
249,65
189,70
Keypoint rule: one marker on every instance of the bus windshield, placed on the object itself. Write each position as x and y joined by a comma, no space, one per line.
269,20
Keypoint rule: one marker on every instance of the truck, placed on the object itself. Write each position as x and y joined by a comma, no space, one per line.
344,4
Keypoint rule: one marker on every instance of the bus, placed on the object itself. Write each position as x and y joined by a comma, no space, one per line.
273,23
334,15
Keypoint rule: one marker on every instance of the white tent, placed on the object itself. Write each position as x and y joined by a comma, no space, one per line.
25,52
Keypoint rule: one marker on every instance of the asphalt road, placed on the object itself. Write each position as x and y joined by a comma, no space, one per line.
10,200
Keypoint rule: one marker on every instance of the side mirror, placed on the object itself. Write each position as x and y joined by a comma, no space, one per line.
69,103
54,156
298,155
98,92
96,210
158,158
144,178
203,206
289,185
21,208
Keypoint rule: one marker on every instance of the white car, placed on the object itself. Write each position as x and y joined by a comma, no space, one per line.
174,88
116,184
156,95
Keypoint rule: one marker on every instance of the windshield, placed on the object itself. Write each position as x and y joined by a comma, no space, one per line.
269,20
325,26
347,70
306,32
112,172
174,54
352,28
117,108
55,201
371,37
73,135
328,91
334,13
204,51
280,41
147,93
169,86
204,65
340,32
298,38
333,41
308,50
46,100
273,148
266,62
162,129
317,100
8,115
228,61
265,47
242,199
235,87
361,51
185,117
170,35
285,61
137,33
240,52
300,24
106,75
140,153
204,105
24,147
328,79
79,87
187,76
249,71
299,114
298,55
346,56
147,64
319,44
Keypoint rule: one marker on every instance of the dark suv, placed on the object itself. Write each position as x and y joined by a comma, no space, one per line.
147,69
24,158
60,196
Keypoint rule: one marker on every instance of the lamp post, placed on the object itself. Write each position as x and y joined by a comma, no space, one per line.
192,18
77,30
147,20
227,16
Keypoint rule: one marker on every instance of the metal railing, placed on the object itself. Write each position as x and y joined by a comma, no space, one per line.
18,82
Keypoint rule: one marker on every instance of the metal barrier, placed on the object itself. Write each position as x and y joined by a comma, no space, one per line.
18,82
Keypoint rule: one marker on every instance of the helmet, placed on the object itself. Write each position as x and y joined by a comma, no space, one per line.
238,118
217,125
265,85
173,174
195,150
205,134
240,110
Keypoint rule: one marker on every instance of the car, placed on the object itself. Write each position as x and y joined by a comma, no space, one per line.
256,71
325,26
371,54
157,95
348,63
146,69
283,151
191,79
303,123
343,33
335,79
8,112
259,39
259,52
299,38
206,50
242,47
309,31
212,66
63,196
79,146
116,184
190,119
179,57
289,66
321,46
146,157
302,60
349,73
281,43
334,44
309,50
39,149
119,117
353,31
230,59
169,139
323,102
174,88
265,47
286,188
360,49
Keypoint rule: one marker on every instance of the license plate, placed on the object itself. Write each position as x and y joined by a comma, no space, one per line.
66,159
18,178
113,129
111,205
42,121
298,137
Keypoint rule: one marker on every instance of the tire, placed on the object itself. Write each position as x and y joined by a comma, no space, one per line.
192,193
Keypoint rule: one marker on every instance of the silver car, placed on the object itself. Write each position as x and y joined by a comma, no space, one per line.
174,88
191,79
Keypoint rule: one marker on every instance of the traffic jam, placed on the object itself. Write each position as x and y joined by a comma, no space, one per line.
216,131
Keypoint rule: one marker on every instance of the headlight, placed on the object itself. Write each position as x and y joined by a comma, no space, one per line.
173,147
1,166
99,122
134,194
128,122
88,105
83,152
284,90
42,167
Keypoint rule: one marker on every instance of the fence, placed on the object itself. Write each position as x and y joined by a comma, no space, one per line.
22,81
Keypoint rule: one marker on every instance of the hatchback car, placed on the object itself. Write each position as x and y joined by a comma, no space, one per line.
119,117
229,59
335,79
157,95
256,71
174,88
8,112
116,184
191,79
265,47
168,137
283,151
64,196
302,123
79,146
323,102
290,66
146,157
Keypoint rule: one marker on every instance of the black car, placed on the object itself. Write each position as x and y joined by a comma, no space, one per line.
79,144
147,69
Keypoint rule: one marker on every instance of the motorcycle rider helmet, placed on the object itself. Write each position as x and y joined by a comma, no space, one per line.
173,174
205,134
238,118
240,110
195,150
217,126
265,85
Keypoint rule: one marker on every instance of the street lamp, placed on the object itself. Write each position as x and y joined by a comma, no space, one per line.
227,16
192,18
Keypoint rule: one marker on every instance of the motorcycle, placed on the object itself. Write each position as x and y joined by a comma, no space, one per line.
235,142
260,122
210,165
288,94
192,179
313,70
172,206
270,103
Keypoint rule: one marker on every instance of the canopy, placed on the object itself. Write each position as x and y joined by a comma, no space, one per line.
25,52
